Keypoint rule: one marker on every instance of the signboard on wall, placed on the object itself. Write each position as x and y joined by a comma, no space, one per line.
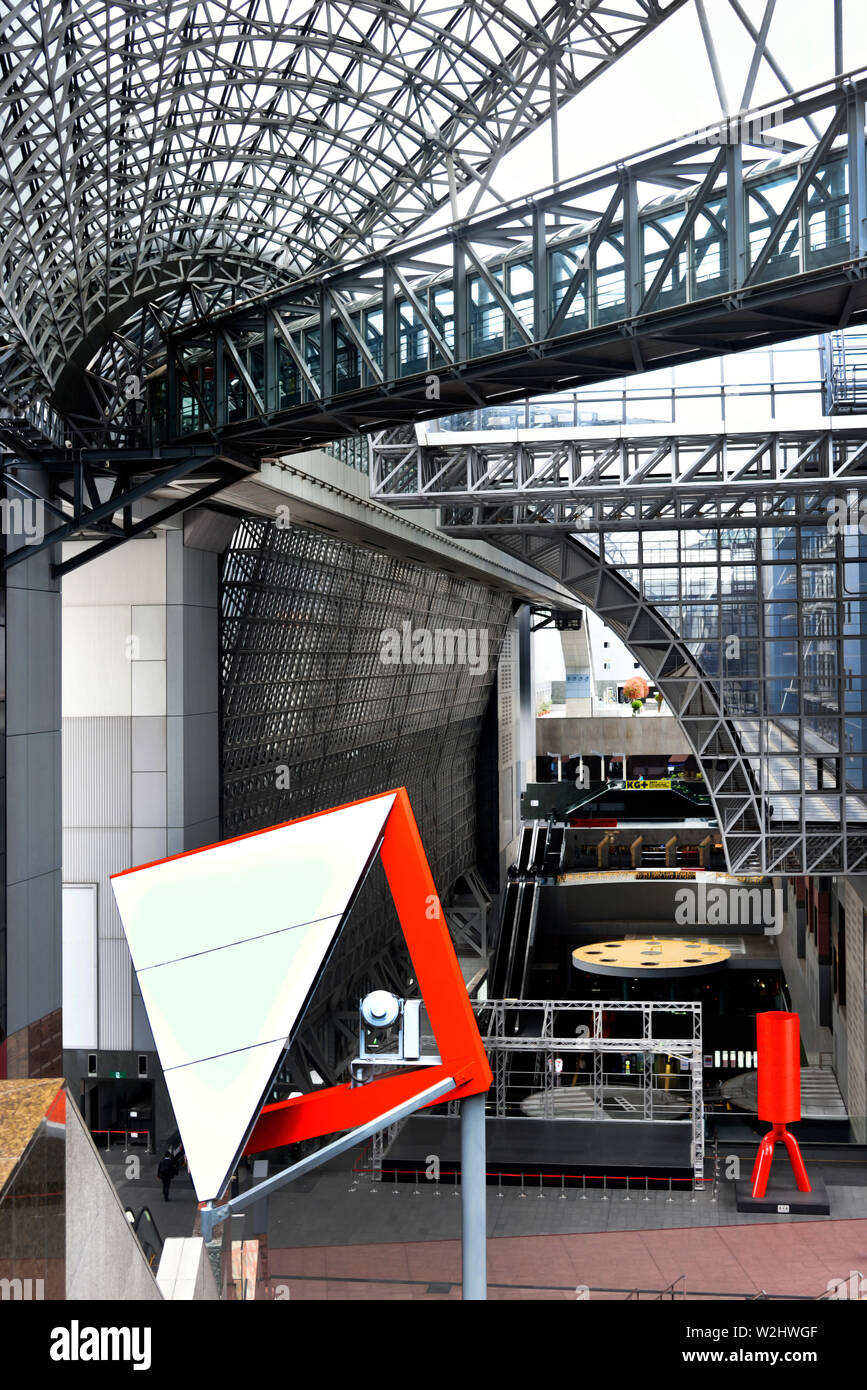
578,686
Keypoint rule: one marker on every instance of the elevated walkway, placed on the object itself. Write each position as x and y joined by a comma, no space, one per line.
757,238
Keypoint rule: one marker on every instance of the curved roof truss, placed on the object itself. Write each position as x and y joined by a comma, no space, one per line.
151,146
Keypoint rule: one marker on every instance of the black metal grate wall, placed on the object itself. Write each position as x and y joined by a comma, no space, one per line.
314,716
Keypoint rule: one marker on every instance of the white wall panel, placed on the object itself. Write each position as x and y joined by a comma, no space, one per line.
96,666
131,573
148,687
79,966
148,627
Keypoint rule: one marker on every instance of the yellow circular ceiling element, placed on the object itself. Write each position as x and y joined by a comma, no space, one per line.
653,955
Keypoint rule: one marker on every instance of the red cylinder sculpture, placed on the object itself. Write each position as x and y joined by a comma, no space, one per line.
778,1037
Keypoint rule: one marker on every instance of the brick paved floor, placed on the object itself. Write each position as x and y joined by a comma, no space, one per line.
791,1260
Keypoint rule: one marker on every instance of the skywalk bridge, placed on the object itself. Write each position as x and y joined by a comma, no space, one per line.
750,232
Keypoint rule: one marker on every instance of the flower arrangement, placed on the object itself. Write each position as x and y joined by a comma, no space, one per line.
636,688
659,697
636,691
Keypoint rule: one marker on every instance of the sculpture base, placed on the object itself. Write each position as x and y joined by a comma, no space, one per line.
785,1201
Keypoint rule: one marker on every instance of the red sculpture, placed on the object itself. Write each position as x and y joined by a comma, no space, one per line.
779,1094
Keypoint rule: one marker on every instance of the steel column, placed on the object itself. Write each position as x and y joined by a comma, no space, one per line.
473,1199
857,175
460,305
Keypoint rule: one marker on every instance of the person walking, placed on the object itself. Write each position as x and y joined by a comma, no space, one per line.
166,1170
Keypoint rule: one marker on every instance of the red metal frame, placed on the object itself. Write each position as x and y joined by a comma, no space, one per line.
462,1053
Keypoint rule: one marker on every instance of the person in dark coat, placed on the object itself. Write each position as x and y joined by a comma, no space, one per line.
167,1169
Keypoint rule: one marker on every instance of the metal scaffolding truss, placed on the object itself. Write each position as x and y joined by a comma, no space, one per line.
603,481
495,1017
845,364
163,159
751,232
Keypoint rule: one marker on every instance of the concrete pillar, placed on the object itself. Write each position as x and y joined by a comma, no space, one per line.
141,751
192,695
30,939
579,673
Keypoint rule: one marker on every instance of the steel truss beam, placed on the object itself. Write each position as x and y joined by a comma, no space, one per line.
597,278
591,481
86,494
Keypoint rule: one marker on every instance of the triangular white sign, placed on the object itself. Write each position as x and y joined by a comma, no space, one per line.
227,943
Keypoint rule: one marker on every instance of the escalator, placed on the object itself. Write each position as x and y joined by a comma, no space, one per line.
149,1238
499,974
528,845
532,837
555,846
540,856
523,940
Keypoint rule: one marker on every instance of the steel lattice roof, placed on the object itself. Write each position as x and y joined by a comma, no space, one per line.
177,153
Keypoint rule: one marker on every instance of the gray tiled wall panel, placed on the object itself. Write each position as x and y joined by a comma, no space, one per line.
96,772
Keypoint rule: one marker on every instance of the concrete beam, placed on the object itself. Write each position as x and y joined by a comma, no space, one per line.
321,491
